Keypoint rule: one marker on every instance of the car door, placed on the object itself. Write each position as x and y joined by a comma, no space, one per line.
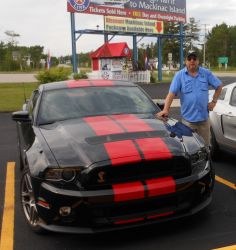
25,130
216,116
229,122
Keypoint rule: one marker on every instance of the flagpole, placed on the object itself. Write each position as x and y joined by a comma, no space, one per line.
48,60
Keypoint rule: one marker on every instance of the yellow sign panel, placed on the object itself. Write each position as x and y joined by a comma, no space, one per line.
120,24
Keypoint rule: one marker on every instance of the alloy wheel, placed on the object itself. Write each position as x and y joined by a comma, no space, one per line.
28,200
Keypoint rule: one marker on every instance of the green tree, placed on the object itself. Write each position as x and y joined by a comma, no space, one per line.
2,55
84,60
232,45
218,43
172,45
36,54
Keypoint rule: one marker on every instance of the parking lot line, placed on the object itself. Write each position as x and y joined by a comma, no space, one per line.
225,182
226,248
7,232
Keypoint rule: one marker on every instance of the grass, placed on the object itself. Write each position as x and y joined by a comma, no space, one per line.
166,77
12,95
222,69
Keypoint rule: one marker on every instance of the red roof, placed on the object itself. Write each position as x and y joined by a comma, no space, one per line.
108,50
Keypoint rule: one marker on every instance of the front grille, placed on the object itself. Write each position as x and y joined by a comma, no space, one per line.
105,214
177,167
173,202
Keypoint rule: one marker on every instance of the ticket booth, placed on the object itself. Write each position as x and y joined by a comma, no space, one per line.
110,60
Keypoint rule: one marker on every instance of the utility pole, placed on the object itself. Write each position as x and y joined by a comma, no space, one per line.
192,21
204,44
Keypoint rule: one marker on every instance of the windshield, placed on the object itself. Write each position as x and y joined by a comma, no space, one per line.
64,104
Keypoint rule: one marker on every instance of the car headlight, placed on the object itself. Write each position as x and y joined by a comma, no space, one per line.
200,156
61,174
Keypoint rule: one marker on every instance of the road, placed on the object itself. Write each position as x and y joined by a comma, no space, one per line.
160,90
14,78
30,77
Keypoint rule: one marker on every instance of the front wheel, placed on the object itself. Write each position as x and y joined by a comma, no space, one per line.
20,155
28,202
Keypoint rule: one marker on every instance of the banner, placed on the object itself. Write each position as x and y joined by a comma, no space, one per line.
120,24
163,10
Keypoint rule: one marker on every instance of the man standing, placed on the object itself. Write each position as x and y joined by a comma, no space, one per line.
191,84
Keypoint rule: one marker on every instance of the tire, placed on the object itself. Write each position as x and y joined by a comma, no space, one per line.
215,151
20,156
213,174
28,203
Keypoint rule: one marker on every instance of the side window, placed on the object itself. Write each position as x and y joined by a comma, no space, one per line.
233,98
222,94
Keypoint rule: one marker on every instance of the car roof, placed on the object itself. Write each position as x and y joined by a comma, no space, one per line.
231,85
83,83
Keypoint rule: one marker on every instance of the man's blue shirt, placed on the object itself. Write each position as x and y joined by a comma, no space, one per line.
193,93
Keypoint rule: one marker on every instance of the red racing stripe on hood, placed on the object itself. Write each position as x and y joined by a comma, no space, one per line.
103,125
132,123
76,84
154,148
128,191
161,186
122,152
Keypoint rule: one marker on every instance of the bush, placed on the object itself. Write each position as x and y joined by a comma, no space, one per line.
53,75
152,79
81,75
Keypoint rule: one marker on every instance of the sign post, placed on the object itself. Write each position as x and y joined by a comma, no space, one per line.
73,42
223,61
138,10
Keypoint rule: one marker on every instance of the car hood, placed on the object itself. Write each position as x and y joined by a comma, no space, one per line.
118,139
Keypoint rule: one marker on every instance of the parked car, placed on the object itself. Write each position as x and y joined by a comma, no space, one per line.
95,158
223,122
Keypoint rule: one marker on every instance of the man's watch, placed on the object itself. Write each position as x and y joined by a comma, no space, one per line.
214,101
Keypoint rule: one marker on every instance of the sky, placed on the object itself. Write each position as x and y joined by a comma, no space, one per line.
47,23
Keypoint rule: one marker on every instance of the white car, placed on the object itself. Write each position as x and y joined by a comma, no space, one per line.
223,121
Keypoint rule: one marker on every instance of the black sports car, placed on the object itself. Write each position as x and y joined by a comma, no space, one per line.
95,158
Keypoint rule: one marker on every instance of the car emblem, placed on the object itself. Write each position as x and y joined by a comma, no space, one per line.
101,176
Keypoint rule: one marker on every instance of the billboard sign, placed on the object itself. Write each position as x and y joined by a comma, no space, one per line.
121,24
162,10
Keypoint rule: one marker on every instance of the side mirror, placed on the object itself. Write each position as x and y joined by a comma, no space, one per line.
21,116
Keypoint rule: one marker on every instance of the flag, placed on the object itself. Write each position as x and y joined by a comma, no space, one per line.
146,60
48,60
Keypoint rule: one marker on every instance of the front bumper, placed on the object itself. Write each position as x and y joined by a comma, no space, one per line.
97,211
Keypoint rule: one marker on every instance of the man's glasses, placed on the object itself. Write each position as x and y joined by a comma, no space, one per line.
194,58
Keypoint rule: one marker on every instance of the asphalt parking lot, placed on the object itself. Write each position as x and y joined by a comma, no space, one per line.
213,228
